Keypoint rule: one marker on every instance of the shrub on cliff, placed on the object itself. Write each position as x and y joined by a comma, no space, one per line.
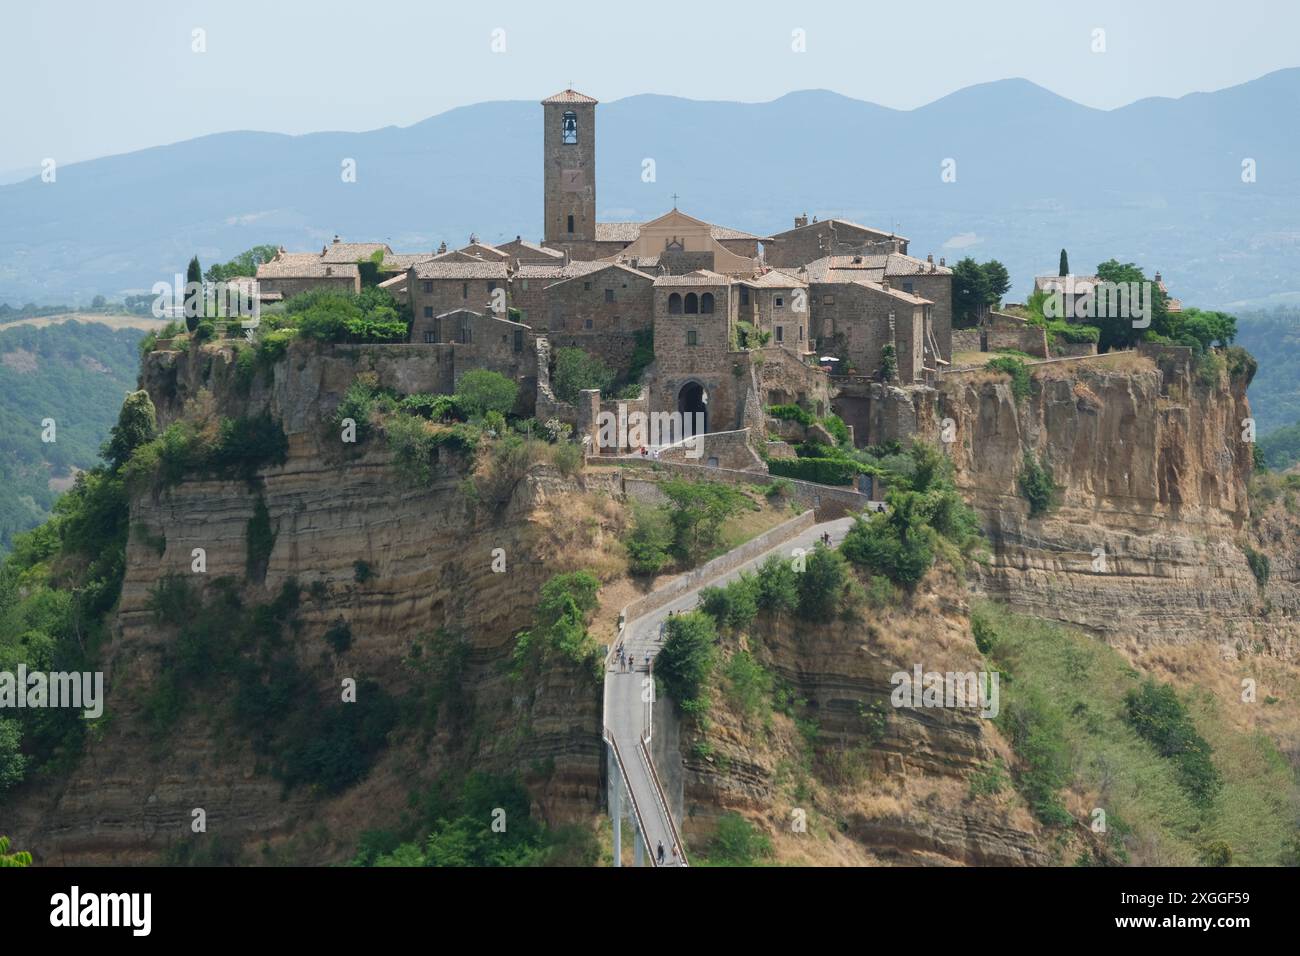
734,605
685,664
737,842
560,626
1037,485
1018,370
898,543
823,586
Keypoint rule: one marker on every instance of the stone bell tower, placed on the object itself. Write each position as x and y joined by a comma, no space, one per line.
569,152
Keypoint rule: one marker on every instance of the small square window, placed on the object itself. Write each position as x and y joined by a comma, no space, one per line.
780,302
907,287
828,300
426,285
586,287
586,324
430,338
691,338
428,311
609,295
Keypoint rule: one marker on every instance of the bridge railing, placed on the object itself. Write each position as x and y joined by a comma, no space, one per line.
663,802
627,785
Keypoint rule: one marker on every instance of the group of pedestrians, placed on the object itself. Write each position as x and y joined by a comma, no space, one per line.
627,659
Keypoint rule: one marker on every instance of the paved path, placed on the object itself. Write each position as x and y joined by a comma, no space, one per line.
626,713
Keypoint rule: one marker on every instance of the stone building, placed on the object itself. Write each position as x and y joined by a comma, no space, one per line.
829,237
290,273
601,311
339,252
569,179
439,286
776,303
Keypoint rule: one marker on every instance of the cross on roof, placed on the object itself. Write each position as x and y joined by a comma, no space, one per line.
674,200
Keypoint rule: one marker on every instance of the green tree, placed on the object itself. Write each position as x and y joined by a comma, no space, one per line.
13,765
821,584
1117,331
137,423
898,543
1065,264
576,370
687,658
998,279
14,859
649,541
194,274
970,292
698,510
482,391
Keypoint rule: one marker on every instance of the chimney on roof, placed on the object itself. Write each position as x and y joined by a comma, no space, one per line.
1157,277
884,282
442,247
930,258
473,239
518,238
336,238
801,221
941,260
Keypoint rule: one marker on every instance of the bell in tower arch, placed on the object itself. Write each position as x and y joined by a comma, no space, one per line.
569,129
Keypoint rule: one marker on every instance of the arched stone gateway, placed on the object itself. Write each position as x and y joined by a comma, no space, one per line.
692,399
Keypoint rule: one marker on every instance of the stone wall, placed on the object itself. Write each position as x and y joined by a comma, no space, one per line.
1030,339
966,340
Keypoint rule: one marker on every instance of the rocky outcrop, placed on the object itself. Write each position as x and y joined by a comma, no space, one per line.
428,579
1145,541
895,781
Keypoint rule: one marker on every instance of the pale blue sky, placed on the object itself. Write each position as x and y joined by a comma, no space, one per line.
86,78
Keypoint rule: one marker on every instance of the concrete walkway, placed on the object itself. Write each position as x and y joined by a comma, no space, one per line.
627,711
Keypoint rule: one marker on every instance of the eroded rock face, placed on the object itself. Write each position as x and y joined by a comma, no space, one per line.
1145,543
428,553
894,781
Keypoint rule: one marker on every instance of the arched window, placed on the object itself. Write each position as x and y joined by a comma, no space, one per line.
675,304
569,129
706,303
692,304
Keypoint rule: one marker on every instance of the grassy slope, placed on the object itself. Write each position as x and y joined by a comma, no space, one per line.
1113,768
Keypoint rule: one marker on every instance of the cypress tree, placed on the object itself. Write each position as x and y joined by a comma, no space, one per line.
1065,264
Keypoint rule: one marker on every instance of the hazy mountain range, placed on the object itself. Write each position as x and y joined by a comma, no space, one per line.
1158,182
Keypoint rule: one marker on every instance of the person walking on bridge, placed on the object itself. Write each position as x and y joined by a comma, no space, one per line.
660,853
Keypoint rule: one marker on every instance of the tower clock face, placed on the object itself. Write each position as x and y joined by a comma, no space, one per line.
572,180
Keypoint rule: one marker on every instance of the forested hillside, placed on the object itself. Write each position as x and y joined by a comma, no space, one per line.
1273,337
75,374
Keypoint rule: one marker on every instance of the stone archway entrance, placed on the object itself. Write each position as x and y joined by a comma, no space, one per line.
693,400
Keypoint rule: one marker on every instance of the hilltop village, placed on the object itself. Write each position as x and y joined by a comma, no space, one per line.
825,314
